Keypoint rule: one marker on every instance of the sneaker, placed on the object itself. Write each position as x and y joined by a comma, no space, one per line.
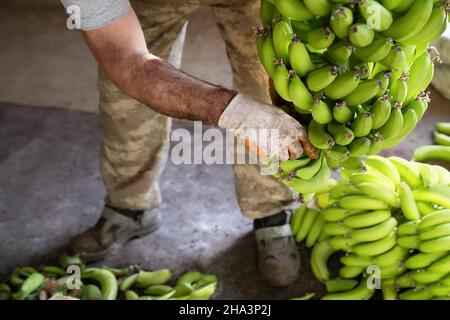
279,257
111,232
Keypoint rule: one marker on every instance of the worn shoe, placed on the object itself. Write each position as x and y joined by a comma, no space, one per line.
111,232
279,257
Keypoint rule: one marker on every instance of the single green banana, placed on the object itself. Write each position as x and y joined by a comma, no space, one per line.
376,51
443,127
379,192
359,146
362,124
294,9
348,272
416,294
320,38
340,285
267,53
281,80
408,228
266,12
377,17
343,85
390,129
362,203
299,57
297,92
375,248
282,36
341,134
340,21
434,219
149,278
376,232
342,113
315,232
441,139
319,8
391,4
319,259
336,229
353,260
360,35
411,22
409,242
340,52
297,218
407,203
367,219
393,257
429,153
423,260
318,136
441,266
361,292
321,111
319,79
381,111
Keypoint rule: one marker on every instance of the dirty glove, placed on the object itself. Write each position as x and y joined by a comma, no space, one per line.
244,117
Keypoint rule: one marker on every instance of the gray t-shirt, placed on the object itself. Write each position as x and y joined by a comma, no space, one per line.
95,14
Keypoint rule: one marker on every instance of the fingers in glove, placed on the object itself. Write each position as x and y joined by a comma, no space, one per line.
310,150
295,150
250,146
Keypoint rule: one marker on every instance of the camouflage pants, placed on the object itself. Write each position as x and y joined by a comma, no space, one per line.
136,139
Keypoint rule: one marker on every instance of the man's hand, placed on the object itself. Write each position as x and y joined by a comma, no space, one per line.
256,123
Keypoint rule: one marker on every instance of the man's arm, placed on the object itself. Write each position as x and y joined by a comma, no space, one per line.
121,51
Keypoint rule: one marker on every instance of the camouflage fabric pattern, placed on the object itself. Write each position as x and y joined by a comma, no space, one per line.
136,139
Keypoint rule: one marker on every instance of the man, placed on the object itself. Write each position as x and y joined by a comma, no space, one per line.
130,44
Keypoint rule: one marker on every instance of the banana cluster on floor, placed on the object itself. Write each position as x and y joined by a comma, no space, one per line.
390,214
440,151
354,71
131,283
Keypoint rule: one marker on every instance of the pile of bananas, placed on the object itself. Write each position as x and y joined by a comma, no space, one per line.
28,283
390,214
355,70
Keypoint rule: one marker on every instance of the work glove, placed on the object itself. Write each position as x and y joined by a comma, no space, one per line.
245,116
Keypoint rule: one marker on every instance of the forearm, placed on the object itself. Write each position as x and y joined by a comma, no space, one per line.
160,86
172,92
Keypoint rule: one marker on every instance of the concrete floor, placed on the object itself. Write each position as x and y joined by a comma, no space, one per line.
50,188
